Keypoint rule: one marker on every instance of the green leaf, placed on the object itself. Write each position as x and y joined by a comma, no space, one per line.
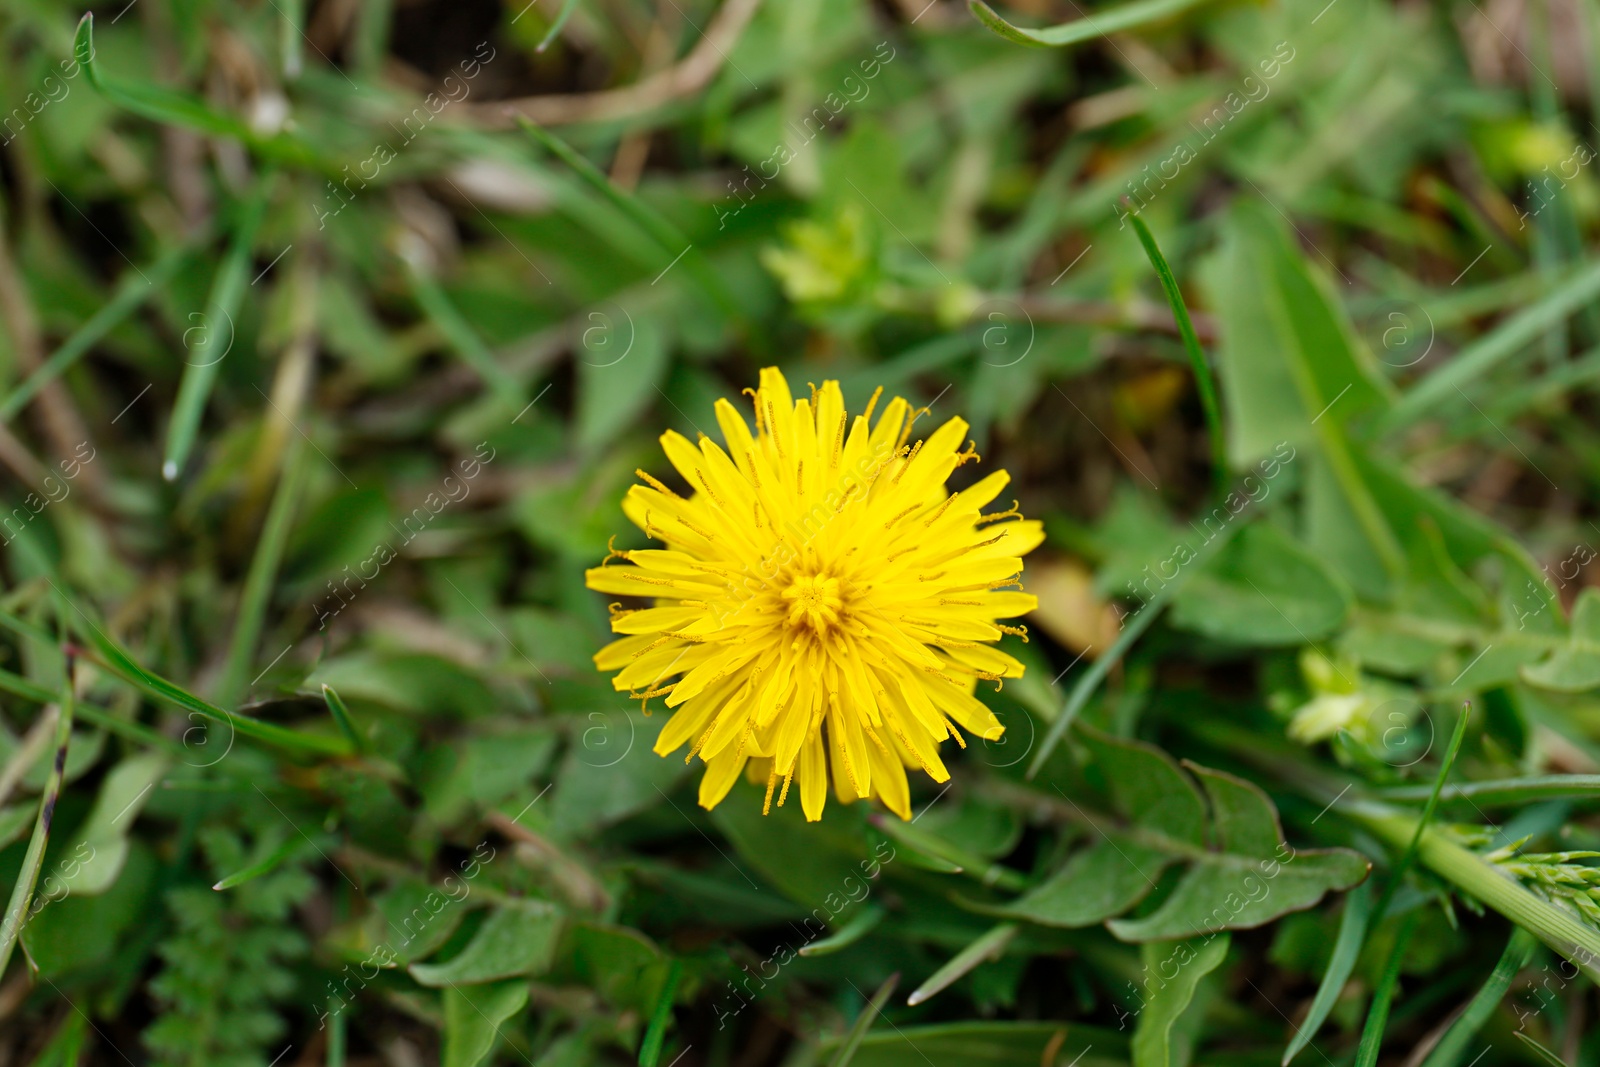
610,772
621,964
472,1019
1505,340
1287,351
660,1017
1383,993
1155,1043
860,925
517,938
1544,1054
172,108
1096,884
1117,20
1452,1047
836,872
617,382
80,932
1346,949
101,846
1204,384
985,948
863,1023
1263,589
414,919
14,820
1240,872
1575,667
217,325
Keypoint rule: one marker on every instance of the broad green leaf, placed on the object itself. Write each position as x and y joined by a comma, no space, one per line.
1575,667
1263,589
1096,884
1240,873
1248,875
1156,1040
1287,353
473,1017
838,861
483,770
621,964
622,361
610,772
92,863
415,919
517,939
83,752
1119,19
81,931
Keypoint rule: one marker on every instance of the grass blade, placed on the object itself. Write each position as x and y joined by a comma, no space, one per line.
674,244
109,655
1132,630
257,593
864,1021
1428,809
860,925
227,290
1505,340
556,27
1346,949
650,1047
1452,1048
942,851
341,715
28,877
985,948
1204,383
256,870
1507,791
336,1040
132,291
1540,1051
1383,995
458,332
17,685
170,107
1116,20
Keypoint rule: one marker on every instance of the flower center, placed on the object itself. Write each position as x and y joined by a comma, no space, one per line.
814,601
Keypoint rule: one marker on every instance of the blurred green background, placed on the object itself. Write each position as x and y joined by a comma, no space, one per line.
334,332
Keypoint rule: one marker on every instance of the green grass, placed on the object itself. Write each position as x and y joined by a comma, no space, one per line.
332,335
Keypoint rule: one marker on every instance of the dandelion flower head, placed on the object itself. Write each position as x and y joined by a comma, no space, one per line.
823,605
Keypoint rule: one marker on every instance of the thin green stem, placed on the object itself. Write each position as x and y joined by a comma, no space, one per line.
257,593
218,321
1204,382
1404,864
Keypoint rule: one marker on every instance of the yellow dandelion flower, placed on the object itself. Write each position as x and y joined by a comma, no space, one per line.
822,602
